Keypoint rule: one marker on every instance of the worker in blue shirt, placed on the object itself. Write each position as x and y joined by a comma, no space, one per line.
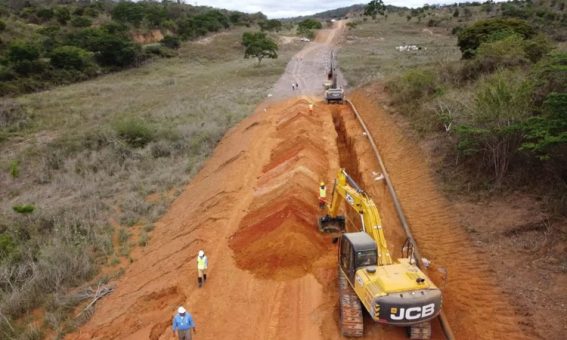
182,323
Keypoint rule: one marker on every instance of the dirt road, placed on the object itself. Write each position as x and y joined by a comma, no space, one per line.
253,209
308,68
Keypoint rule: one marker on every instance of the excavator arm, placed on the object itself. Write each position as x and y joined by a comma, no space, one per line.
345,188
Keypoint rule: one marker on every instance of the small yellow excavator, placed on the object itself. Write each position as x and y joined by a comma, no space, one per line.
393,292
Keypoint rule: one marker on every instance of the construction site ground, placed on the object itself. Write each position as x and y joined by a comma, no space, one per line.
253,209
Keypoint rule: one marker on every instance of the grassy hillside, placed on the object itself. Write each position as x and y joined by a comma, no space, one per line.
45,43
86,169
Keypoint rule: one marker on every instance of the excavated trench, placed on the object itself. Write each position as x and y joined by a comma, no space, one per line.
254,209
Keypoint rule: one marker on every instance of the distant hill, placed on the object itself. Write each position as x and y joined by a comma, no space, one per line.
353,10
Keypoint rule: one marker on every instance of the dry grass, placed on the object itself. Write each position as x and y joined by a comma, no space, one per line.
369,52
79,171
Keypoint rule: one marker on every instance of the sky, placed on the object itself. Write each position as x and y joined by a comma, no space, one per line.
293,8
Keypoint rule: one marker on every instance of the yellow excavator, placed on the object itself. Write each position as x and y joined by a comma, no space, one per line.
393,292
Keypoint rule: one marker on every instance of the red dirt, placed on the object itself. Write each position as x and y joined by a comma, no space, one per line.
253,209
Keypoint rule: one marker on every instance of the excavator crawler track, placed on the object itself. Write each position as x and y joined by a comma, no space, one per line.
420,331
351,321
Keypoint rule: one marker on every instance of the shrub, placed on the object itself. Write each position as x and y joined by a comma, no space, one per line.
22,51
70,57
2,26
171,42
414,85
310,24
492,131
470,38
63,15
134,131
45,14
501,53
129,12
23,208
27,67
536,48
8,246
81,22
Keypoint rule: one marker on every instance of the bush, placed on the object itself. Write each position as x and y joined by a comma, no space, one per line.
310,24
22,51
81,22
414,85
70,57
2,26
128,12
134,131
470,38
491,134
171,42
159,50
536,48
115,51
63,15
501,53
24,208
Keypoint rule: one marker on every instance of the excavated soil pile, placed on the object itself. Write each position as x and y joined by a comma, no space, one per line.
278,237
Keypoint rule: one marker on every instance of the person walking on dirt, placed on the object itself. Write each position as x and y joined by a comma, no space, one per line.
202,264
322,195
311,108
182,324
293,86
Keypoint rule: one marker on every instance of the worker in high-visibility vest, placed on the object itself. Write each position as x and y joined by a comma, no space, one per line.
322,195
202,264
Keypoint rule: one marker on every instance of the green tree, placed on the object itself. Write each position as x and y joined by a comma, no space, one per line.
470,38
374,8
259,45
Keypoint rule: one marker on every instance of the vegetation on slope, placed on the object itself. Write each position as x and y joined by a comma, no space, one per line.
86,170
45,43
501,108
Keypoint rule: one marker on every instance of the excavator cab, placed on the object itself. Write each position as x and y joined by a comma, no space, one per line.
356,250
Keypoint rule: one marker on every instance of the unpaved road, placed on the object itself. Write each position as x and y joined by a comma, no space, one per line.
309,67
272,275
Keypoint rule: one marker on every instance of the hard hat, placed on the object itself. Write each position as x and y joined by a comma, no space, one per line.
322,183
181,310
201,253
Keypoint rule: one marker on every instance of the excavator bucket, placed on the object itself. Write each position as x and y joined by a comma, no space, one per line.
328,224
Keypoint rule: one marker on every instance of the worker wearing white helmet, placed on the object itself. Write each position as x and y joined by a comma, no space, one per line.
202,264
183,323
322,195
